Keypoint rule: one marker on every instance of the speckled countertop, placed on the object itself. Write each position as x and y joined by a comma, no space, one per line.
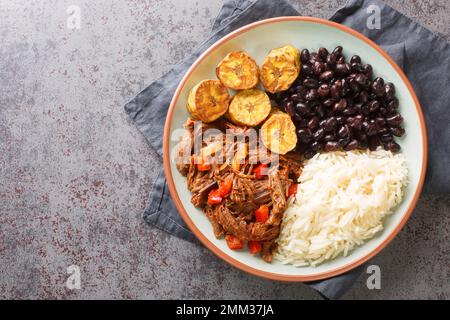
75,173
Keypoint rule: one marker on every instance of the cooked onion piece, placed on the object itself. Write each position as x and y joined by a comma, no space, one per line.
208,100
249,107
280,68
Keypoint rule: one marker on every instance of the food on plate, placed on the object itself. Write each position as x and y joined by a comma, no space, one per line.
280,68
208,100
238,71
344,198
242,206
339,104
278,133
323,169
249,107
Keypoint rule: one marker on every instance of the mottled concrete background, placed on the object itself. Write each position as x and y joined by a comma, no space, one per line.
75,173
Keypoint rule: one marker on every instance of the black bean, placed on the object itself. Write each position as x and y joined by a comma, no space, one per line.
349,111
340,105
371,128
344,131
307,69
341,120
304,135
367,69
309,153
360,79
331,146
319,67
300,121
331,59
373,105
313,123
304,55
397,131
311,83
357,122
323,53
330,124
353,85
329,137
383,130
393,146
323,91
296,97
320,111
337,51
302,108
389,90
365,110
363,144
395,120
344,141
393,104
380,121
373,143
300,89
360,135
342,69
313,58
341,59
328,102
311,95
335,92
316,146
326,76
319,134
358,106
352,145
355,59
378,87
363,96
290,109
386,138
383,111
356,68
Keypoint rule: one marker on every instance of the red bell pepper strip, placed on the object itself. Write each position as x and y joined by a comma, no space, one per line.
262,214
214,197
292,189
260,171
225,187
233,242
254,247
203,167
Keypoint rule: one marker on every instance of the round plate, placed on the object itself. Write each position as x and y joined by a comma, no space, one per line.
303,32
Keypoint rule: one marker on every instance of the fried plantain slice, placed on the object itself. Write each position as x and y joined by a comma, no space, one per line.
278,132
208,100
238,71
280,68
249,107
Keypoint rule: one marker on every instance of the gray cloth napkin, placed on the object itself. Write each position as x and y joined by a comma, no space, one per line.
424,56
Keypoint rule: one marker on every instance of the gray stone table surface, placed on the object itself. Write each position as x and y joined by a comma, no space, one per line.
75,173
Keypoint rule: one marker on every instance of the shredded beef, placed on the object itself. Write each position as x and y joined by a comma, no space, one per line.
235,214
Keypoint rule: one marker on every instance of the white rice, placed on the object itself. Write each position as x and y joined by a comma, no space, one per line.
341,201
